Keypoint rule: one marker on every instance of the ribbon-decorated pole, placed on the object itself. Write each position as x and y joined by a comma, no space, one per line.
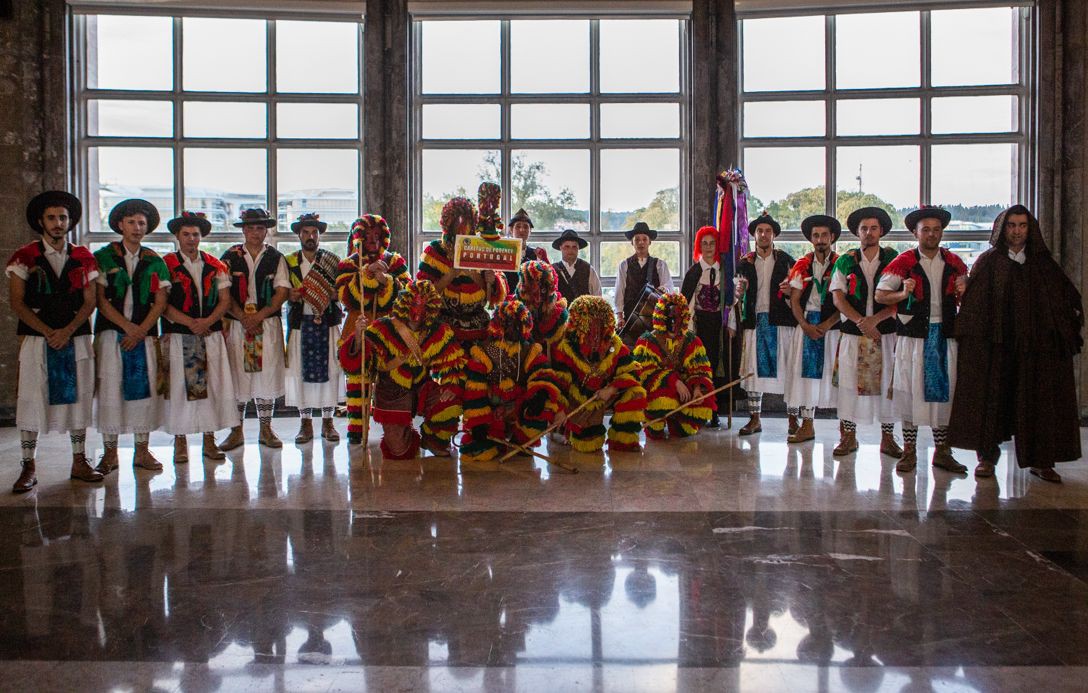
731,220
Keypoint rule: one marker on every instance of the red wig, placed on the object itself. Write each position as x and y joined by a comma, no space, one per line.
696,251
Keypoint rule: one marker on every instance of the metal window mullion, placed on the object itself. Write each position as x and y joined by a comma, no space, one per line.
925,155
360,117
686,182
178,117
830,117
271,151
506,171
595,143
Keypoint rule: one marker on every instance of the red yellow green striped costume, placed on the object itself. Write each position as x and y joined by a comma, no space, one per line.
538,289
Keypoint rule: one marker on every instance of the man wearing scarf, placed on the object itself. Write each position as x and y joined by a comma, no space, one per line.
925,285
866,355
1020,319
51,286
816,340
132,285
314,380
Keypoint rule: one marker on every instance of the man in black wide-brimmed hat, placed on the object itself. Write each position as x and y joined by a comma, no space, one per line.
634,275
576,276
521,226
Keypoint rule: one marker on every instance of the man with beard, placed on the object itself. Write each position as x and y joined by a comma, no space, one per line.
521,226
863,370
313,331
538,291
674,370
633,276
925,285
132,285
576,276
52,291
701,287
367,283
418,366
1020,319
592,363
510,392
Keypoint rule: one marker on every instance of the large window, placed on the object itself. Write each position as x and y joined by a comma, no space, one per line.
890,109
219,114
582,122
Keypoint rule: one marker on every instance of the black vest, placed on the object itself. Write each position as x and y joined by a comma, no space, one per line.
827,306
859,304
330,318
264,275
59,308
177,295
780,312
578,285
637,279
117,297
528,254
918,325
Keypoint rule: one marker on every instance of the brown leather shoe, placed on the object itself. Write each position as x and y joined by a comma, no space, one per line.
329,432
943,459
211,451
805,432
27,478
888,446
984,469
793,426
908,461
305,432
848,443
268,437
1046,474
83,471
108,462
181,450
145,460
754,425
236,439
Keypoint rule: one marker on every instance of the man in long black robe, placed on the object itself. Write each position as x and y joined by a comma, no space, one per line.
1019,322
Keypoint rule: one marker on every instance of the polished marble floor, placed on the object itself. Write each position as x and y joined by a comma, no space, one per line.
711,564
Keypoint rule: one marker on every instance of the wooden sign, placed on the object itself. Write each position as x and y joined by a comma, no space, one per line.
475,253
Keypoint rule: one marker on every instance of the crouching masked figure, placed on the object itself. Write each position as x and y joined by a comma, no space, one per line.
510,394
674,370
538,289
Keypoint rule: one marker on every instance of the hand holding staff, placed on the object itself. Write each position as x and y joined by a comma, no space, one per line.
551,428
700,398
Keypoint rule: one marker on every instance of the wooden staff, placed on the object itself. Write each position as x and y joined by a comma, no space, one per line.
551,428
364,385
517,448
700,398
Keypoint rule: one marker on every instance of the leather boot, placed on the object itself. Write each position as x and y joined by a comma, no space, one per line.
848,443
108,462
805,432
27,480
210,450
305,432
908,461
236,439
145,460
888,446
792,427
329,432
753,426
82,469
943,459
269,438
181,450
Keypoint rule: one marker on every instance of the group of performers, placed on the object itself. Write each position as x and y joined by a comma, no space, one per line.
506,357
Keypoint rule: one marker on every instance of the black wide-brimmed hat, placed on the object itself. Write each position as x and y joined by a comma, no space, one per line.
127,208
854,220
643,228
520,215
764,219
53,198
927,212
821,220
187,218
309,219
255,216
569,235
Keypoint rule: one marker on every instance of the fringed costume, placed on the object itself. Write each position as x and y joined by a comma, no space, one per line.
538,290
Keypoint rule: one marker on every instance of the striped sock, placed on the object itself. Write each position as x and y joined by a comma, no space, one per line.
29,441
887,428
793,411
808,412
79,440
849,426
242,411
109,441
264,411
940,436
141,438
326,412
755,402
910,434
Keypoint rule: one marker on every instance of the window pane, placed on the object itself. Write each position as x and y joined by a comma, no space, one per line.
553,186
323,181
878,117
223,54
462,121
317,57
564,45
318,120
785,119
767,67
549,121
640,185
788,181
118,173
451,172
461,57
975,114
975,46
658,120
113,44
974,175
130,118
640,55
225,119
222,182
614,252
862,56
877,177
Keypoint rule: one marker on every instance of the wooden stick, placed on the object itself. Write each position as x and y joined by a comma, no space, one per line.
729,422
551,428
700,398
517,448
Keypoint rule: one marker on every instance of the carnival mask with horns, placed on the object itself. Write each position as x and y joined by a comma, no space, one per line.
511,322
369,235
592,325
418,303
458,217
488,221
672,315
538,282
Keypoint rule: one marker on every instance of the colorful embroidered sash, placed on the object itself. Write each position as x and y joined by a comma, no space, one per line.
60,366
935,358
766,347
812,354
315,352
194,355
135,379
